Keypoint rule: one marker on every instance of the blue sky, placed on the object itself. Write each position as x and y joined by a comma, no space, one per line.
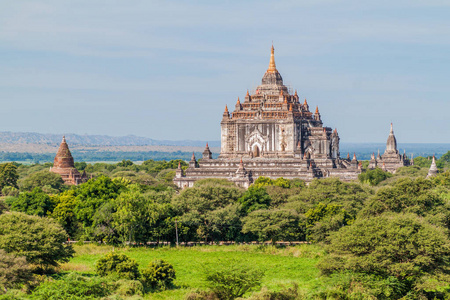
166,69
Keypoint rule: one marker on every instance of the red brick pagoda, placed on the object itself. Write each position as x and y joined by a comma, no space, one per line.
64,166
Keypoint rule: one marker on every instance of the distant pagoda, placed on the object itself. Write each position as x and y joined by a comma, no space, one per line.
391,159
65,166
433,169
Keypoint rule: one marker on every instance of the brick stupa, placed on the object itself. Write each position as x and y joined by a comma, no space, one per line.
64,166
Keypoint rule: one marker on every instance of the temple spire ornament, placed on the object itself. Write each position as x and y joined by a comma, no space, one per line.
317,114
272,67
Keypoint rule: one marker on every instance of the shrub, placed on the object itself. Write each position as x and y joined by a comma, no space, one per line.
73,286
202,295
127,287
159,274
287,293
232,279
117,264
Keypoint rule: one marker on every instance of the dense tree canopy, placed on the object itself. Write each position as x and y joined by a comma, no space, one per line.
14,271
403,246
38,239
48,181
35,202
385,240
8,175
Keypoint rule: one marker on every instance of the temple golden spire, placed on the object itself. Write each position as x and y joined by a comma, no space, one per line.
272,67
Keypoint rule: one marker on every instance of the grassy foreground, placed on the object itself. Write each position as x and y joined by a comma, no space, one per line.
282,265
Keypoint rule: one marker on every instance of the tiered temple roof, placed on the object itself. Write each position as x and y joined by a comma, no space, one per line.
272,133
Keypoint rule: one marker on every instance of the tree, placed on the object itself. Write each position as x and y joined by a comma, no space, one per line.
442,179
266,181
411,172
14,271
323,219
274,225
254,198
131,216
373,177
32,203
194,205
48,181
224,224
8,175
64,213
92,194
231,279
103,228
423,162
40,240
410,196
125,163
331,190
80,166
401,246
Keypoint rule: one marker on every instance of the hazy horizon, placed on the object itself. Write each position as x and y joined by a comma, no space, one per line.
166,70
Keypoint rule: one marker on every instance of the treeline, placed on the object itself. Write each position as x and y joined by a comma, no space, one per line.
98,156
386,236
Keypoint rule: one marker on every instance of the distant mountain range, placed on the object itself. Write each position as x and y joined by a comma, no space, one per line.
27,145
7,137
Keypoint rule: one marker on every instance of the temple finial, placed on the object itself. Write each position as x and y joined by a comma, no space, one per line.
226,108
392,129
317,110
247,94
64,139
238,101
272,67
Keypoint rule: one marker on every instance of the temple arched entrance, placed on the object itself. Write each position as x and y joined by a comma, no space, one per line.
256,151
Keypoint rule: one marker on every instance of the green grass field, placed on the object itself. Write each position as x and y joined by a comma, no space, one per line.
282,265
